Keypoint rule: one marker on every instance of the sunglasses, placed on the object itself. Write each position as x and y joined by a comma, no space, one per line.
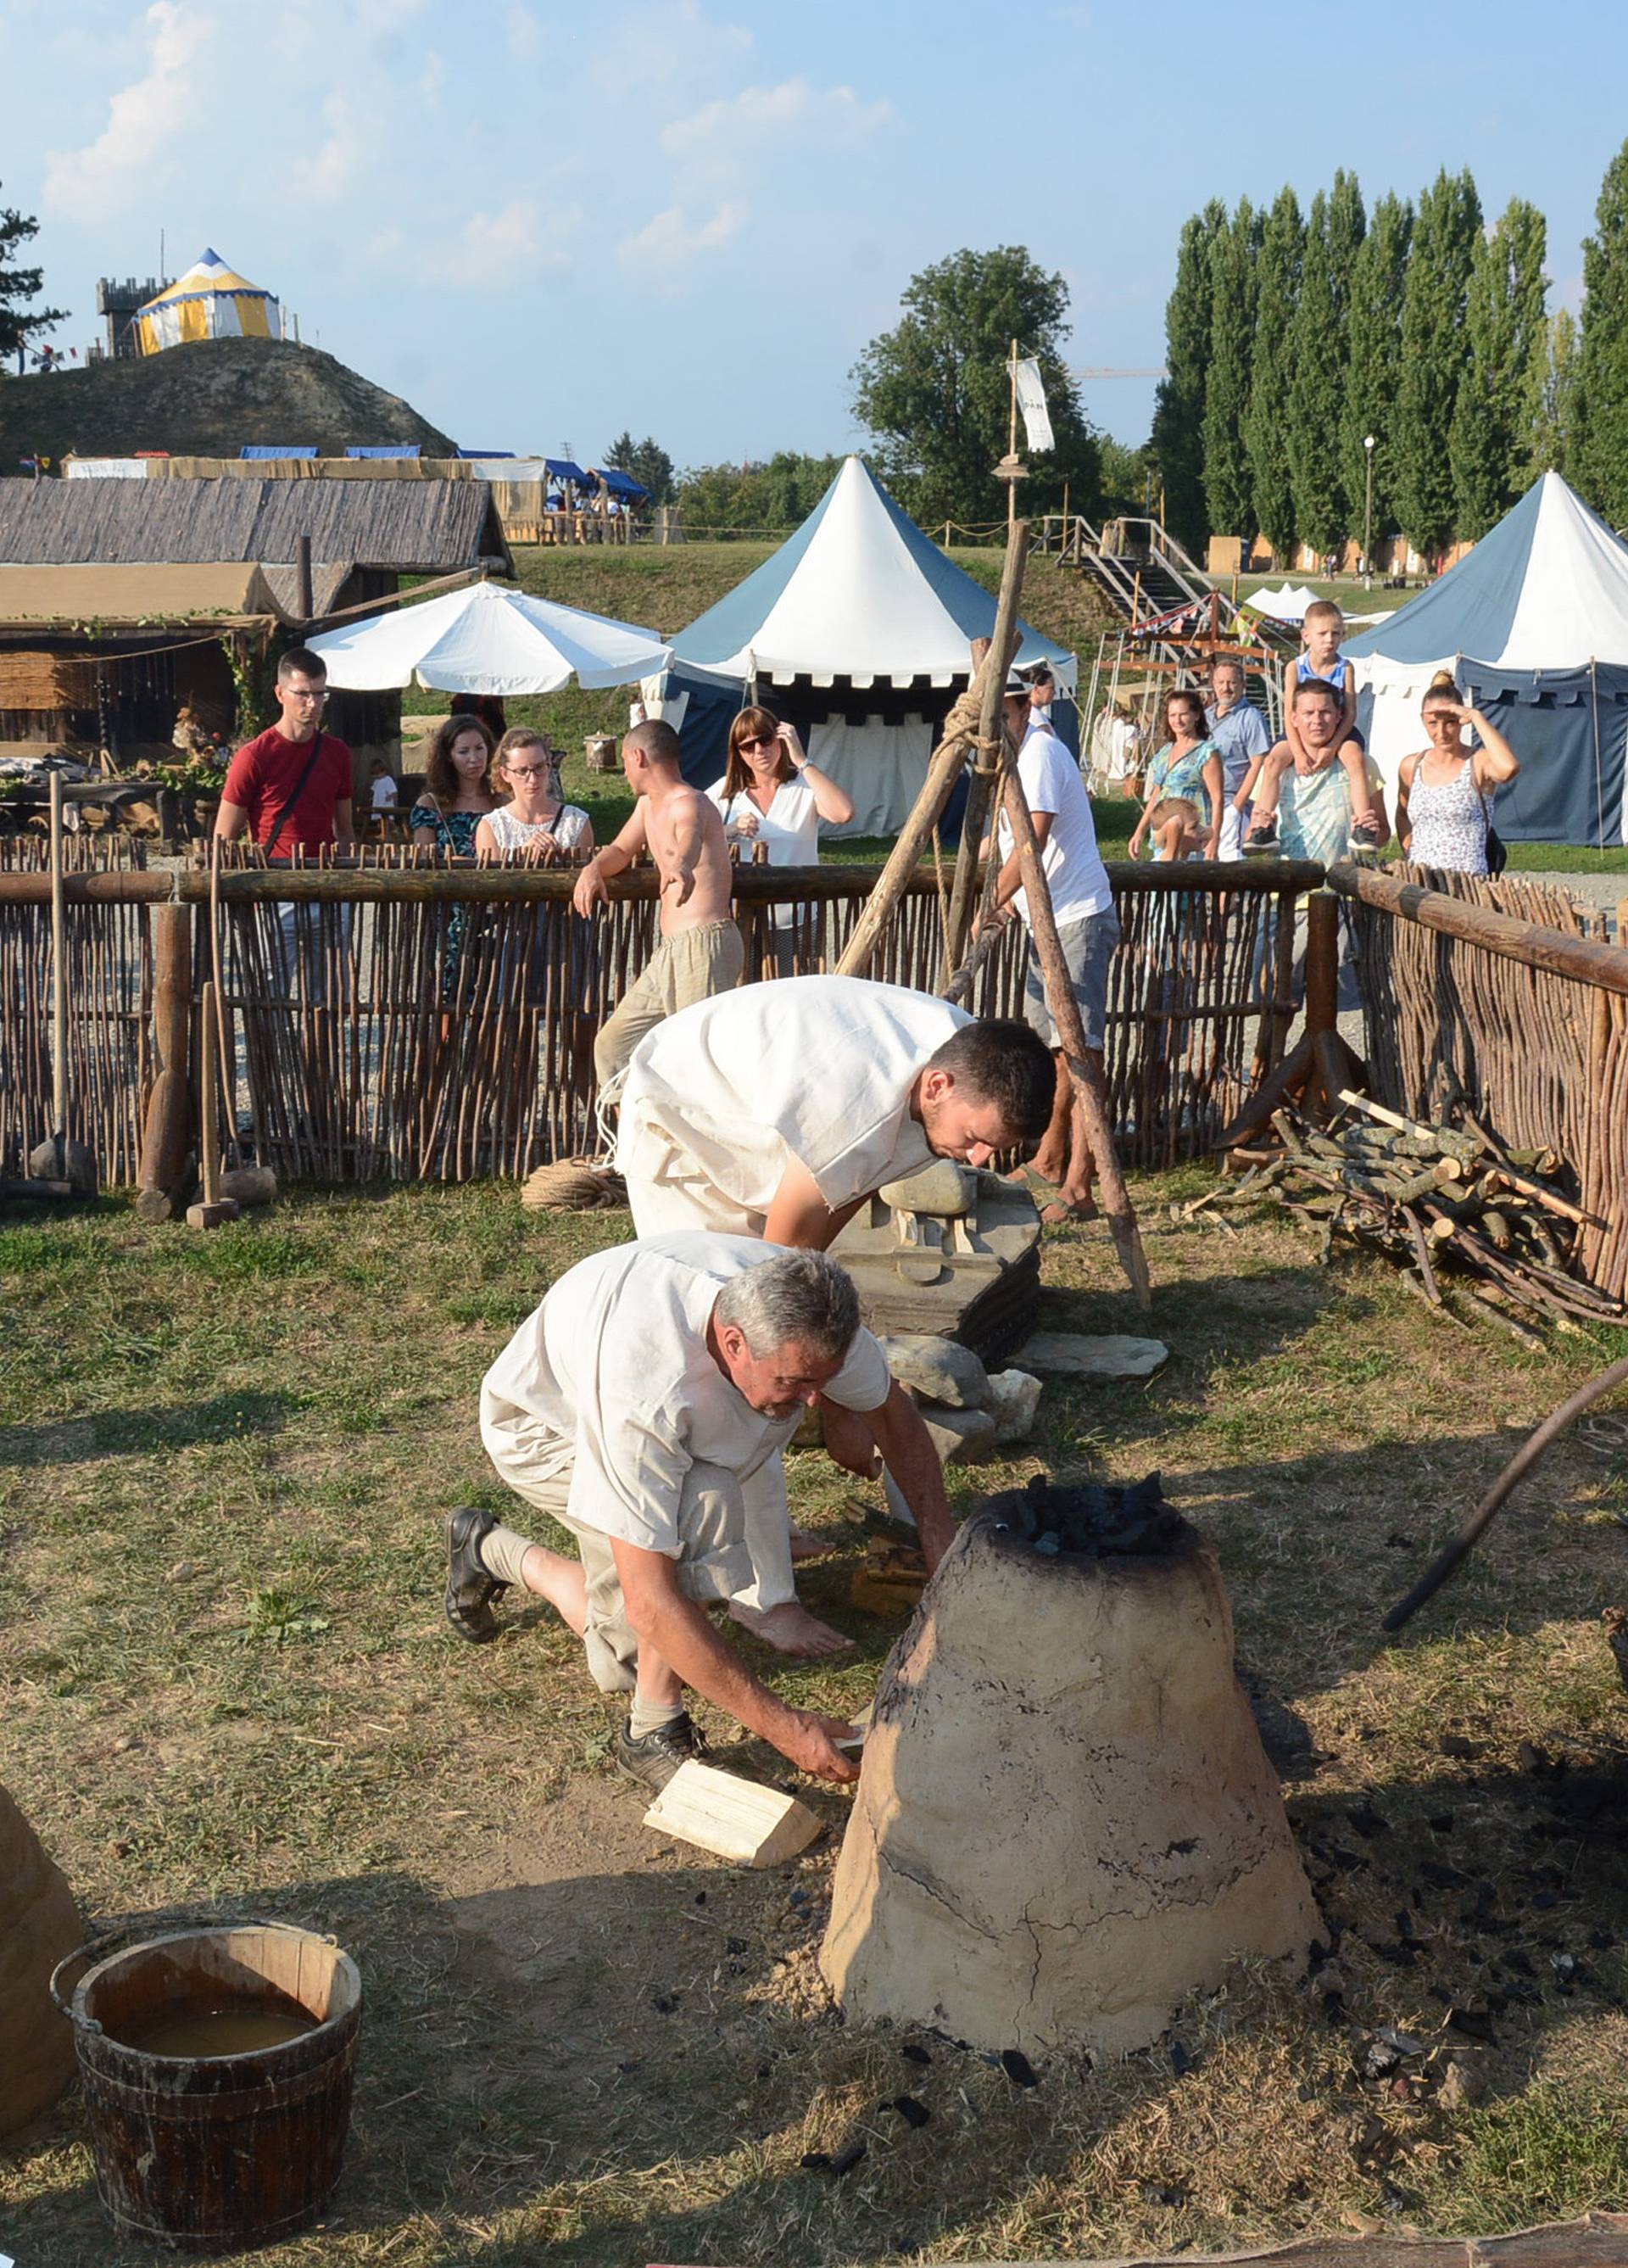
763,741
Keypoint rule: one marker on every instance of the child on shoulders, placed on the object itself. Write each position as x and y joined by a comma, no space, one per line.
1321,660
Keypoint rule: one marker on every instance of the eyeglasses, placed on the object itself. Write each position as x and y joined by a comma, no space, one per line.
302,693
764,741
528,771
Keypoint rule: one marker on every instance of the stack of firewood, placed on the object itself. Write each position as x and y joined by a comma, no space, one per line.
1446,1201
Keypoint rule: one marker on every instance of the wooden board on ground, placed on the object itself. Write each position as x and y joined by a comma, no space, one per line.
1599,2240
733,1818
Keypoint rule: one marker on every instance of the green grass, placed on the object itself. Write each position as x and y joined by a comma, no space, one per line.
223,1464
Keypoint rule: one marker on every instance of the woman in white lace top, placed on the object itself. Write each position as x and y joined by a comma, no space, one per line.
1444,794
537,821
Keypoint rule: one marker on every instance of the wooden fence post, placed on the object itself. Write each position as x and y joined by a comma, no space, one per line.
981,784
165,1172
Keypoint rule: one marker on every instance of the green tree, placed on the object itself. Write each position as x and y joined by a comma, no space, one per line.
1552,441
1495,418
1277,269
1178,406
1229,495
771,498
1445,236
643,461
935,390
1128,475
19,285
1320,345
1600,446
1373,346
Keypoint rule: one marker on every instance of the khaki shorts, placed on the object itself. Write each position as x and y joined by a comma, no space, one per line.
689,965
715,1564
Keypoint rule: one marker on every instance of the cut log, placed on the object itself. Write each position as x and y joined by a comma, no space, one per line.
733,1818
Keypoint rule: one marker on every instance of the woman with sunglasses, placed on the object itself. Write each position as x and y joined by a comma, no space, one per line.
771,793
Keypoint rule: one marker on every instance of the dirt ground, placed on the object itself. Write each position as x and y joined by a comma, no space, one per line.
230,1689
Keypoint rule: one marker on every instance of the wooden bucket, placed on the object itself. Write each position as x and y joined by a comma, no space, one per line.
220,2151
599,751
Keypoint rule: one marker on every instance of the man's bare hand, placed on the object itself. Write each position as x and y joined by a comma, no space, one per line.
811,1742
849,1441
591,890
682,882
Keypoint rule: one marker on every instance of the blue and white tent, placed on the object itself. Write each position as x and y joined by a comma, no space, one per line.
858,631
1533,623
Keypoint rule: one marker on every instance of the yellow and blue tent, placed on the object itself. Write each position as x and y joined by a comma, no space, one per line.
210,301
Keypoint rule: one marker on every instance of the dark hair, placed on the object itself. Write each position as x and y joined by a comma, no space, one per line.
1194,700
655,741
752,724
299,661
441,781
1319,686
1003,1062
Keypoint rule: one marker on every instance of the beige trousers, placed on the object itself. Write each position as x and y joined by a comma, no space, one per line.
714,1565
691,964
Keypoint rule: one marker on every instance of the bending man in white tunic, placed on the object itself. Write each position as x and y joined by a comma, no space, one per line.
775,1111
640,1406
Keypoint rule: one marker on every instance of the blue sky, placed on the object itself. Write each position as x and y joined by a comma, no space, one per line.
542,223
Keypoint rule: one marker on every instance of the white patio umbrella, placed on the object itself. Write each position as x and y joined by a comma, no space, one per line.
488,639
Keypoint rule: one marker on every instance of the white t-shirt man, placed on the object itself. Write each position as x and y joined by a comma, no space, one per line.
723,1097
612,1378
1072,864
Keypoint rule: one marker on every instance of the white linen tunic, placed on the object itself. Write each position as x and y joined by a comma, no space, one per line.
611,1376
722,1097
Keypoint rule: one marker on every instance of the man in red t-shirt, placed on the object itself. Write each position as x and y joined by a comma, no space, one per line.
293,784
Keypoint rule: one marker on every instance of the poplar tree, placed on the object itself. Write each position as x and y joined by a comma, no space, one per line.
1552,442
1432,358
1227,493
1277,268
1600,427
1505,340
1374,345
1317,389
1177,440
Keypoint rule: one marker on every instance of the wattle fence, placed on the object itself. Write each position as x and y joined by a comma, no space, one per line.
413,1020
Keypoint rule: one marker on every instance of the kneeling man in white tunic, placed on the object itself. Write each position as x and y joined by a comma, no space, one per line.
776,1110
641,1405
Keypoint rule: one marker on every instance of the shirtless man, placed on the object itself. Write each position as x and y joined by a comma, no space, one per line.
701,950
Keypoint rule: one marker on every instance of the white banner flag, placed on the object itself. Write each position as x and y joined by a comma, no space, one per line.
1032,402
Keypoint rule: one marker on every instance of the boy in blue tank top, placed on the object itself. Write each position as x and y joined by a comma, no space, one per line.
1319,659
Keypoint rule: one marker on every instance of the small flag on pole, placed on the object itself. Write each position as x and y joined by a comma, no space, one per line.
1032,402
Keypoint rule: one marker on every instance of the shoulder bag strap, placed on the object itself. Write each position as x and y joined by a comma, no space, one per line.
286,812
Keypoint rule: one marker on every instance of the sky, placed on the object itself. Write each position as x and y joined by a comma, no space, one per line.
542,222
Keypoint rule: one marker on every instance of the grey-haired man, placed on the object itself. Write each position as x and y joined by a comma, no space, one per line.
640,1405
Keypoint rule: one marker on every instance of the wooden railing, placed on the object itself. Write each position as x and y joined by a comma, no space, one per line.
1503,993
438,1021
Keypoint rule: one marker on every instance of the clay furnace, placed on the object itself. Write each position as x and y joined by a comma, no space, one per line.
1065,1819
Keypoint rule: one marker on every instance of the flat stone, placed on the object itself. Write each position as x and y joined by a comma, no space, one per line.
959,1435
937,1369
1113,1355
1014,1397
943,1189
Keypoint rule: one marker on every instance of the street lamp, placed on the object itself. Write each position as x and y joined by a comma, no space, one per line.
1367,516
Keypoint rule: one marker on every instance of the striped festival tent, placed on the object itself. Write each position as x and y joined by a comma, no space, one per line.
210,301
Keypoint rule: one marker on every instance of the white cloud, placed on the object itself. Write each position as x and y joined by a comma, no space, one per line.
662,53
762,122
671,238
332,167
504,249
142,118
525,34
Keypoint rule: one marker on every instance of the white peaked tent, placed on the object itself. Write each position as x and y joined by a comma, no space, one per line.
1533,624
858,631
488,639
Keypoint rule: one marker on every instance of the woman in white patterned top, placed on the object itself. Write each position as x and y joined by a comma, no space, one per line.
1444,796
537,821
